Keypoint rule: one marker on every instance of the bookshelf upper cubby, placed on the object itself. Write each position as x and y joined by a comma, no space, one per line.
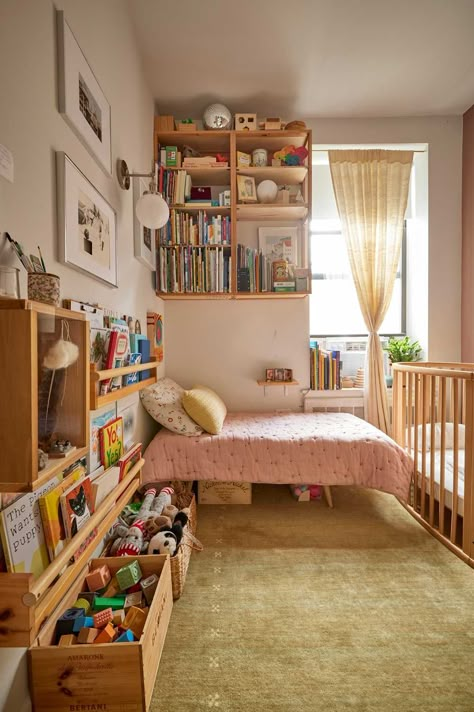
221,207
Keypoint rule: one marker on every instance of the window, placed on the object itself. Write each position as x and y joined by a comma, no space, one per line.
334,307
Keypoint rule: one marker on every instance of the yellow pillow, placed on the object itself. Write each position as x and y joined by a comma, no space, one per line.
205,408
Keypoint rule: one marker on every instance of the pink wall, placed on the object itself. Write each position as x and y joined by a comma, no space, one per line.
467,308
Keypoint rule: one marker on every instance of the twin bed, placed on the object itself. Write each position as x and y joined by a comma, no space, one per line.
291,448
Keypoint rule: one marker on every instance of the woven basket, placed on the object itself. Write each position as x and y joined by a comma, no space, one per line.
180,562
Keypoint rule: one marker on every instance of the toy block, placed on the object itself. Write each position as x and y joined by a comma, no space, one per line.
88,596
98,578
87,635
83,622
106,635
126,637
66,640
133,599
82,603
115,603
148,586
102,618
133,589
129,575
135,621
65,624
245,122
119,617
112,588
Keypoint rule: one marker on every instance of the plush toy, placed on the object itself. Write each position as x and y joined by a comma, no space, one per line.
132,543
167,540
314,491
153,505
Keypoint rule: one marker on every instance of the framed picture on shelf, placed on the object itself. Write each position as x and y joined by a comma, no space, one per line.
279,243
246,190
87,224
143,237
81,101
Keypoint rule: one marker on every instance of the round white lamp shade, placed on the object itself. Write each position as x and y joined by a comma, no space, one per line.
152,211
267,191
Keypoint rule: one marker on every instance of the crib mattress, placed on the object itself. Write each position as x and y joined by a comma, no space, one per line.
291,448
448,477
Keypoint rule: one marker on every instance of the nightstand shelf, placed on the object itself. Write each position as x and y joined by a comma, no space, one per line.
272,384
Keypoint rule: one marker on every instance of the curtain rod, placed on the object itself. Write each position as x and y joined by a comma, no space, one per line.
415,147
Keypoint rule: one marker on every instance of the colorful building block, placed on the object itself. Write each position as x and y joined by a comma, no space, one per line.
115,603
102,618
148,586
98,578
82,603
88,596
106,635
66,640
87,635
65,623
135,621
126,637
133,589
129,575
133,599
83,622
119,617
112,588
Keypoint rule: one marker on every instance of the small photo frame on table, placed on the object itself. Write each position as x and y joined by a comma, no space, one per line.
143,237
81,100
246,190
279,243
87,224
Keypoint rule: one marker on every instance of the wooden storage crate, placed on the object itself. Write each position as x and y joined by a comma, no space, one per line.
110,676
212,492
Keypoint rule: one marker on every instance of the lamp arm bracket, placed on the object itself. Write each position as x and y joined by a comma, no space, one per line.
124,175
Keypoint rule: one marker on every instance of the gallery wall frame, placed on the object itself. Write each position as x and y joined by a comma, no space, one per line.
87,224
81,100
144,247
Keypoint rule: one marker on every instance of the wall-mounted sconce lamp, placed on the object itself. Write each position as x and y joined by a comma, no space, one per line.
151,209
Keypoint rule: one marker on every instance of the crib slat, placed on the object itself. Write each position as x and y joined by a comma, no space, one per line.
468,524
415,441
442,461
432,448
454,508
424,404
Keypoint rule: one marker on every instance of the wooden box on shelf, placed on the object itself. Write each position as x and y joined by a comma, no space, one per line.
109,676
45,401
164,123
188,127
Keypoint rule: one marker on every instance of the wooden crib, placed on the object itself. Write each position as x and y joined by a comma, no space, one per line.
433,419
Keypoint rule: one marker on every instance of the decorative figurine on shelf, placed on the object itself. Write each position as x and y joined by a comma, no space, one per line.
217,116
60,448
42,459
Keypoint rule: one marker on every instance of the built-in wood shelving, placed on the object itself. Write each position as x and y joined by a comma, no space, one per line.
97,401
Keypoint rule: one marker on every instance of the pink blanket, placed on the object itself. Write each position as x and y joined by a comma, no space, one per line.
323,448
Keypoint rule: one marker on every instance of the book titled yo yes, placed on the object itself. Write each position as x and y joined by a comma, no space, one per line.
111,442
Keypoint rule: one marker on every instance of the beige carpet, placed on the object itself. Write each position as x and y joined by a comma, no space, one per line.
297,607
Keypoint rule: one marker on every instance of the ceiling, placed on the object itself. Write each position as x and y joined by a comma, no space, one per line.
308,58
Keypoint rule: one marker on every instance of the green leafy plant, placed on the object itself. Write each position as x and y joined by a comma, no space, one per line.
402,349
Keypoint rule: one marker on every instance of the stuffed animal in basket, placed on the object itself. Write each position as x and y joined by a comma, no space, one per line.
168,539
132,543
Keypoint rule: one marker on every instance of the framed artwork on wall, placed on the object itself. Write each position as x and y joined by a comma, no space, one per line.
279,243
81,101
144,247
87,224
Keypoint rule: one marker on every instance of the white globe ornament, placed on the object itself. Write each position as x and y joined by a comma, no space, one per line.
267,191
217,116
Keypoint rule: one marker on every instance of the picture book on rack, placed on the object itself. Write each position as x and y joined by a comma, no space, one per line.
111,442
77,506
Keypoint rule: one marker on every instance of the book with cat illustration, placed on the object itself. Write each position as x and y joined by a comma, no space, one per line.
77,506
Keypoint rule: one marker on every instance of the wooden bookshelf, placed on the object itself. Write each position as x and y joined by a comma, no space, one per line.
244,217
97,400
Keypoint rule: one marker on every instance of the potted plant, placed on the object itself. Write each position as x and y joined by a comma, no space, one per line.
401,350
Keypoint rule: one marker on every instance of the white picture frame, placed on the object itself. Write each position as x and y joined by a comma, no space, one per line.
279,243
127,408
81,100
87,224
144,247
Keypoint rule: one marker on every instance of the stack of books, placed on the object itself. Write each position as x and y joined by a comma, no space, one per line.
325,368
201,229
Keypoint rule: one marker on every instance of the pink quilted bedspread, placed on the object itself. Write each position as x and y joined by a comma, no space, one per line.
305,448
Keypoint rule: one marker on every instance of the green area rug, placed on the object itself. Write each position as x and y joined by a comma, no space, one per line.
293,606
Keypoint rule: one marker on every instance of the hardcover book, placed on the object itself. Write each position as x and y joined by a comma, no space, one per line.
98,418
22,533
49,505
144,349
131,378
104,484
111,442
77,506
129,459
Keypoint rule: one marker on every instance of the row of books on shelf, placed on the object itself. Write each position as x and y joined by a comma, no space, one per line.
194,269
256,273
116,347
177,189
200,229
325,368
35,527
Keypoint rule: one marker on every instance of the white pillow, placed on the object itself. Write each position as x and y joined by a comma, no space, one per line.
162,401
449,436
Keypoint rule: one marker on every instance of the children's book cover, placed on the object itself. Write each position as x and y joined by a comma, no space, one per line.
129,459
22,532
53,527
130,378
76,506
111,442
98,418
154,329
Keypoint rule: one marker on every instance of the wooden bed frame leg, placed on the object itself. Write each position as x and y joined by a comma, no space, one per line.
328,495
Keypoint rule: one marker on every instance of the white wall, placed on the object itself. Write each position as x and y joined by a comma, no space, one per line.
32,128
227,344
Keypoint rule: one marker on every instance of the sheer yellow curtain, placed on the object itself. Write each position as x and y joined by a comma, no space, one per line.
371,189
